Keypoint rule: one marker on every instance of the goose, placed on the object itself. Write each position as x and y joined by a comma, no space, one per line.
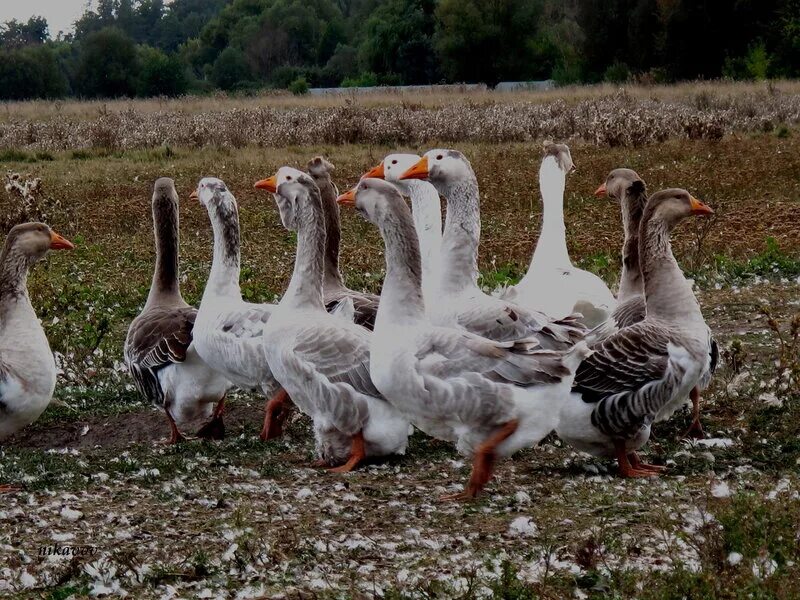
228,331
628,188
490,398
646,370
460,302
426,209
365,306
27,368
323,360
159,350
552,284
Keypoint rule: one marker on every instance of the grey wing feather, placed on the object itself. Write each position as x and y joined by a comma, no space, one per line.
248,323
365,306
156,339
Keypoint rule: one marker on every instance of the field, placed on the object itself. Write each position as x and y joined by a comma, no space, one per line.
242,518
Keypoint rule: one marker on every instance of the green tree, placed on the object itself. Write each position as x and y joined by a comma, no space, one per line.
16,34
31,72
107,65
161,74
231,69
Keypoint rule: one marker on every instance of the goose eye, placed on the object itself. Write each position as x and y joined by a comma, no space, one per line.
440,157
394,162
288,178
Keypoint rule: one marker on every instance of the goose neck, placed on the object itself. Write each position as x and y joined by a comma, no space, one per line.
462,234
551,249
165,287
631,283
226,261
305,287
427,214
14,267
332,278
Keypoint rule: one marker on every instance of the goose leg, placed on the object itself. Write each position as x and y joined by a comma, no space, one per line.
483,463
275,414
357,453
5,489
625,468
695,430
175,435
637,463
215,428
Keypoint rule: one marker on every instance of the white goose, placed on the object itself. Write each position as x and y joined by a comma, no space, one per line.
625,186
426,209
228,331
335,292
553,285
646,370
490,398
27,368
323,360
460,302
159,352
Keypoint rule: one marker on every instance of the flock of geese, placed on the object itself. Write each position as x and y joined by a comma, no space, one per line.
491,373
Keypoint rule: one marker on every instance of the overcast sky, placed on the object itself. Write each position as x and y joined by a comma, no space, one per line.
60,14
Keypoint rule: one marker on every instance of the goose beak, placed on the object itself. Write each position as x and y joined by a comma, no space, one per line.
270,184
418,171
601,191
194,195
59,243
376,172
348,198
699,208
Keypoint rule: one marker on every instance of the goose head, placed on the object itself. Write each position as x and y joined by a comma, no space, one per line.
319,167
621,183
673,205
375,199
164,192
287,186
441,167
31,241
212,193
393,167
558,155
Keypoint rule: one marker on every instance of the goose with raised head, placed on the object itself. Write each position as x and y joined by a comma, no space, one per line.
228,331
426,209
461,302
646,370
335,293
552,284
628,188
27,367
323,360
159,349
490,398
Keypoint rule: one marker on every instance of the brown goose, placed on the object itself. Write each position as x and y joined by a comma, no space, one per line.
159,351
625,186
27,368
647,369
365,306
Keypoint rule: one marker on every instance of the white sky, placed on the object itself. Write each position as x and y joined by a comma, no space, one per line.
60,14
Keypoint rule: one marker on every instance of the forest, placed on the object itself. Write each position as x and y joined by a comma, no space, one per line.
126,48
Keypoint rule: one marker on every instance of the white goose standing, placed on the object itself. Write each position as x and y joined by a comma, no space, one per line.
323,360
490,398
460,301
553,285
645,370
228,331
426,209
27,368
159,349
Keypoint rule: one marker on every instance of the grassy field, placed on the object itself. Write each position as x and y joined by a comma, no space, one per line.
241,518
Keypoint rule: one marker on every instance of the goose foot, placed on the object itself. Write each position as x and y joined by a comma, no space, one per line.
175,436
637,469
695,430
5,489
483,463
637,463
275,415
357,454
320,463
215,428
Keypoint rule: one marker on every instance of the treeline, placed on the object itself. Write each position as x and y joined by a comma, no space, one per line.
145,48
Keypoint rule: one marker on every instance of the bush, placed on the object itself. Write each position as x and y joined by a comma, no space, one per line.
160,74
299,86
617,73
231,69
107,64
363,80
31,72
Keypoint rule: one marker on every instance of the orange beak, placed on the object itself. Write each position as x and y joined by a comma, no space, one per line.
601,191
59,243
194,195
348,198
270,184
699,208
376,172
418,171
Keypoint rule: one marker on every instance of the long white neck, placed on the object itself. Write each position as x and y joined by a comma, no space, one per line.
551,249
305,287
462,236
401,298
225,266
427,213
